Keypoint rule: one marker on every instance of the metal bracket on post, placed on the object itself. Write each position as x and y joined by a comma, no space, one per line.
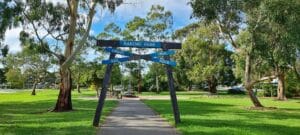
102,97
172,92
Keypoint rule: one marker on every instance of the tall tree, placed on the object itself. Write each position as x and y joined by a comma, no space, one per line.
281,34
231,16
14,76
61,25
156,77
34,60
207,54
8,20
35,67
94,75
78,71
181,70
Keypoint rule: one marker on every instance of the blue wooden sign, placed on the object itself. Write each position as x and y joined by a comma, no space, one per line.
160,57
121,52
164,53
168,62
138,44
124,59
116,60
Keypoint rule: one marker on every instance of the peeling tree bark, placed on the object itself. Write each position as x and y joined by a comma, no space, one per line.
248,84
281,87
64,102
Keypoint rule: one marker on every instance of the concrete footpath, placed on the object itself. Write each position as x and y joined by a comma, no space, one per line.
133,117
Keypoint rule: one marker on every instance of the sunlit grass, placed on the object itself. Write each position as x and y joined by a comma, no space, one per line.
227,115
22,114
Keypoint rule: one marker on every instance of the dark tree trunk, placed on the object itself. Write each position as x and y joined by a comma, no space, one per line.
33,89
212,85
190,86
78,88
248,84
253,98
140,83
157,84
64,102
281,87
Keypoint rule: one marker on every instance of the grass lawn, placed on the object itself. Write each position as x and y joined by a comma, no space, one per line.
22,114
229,115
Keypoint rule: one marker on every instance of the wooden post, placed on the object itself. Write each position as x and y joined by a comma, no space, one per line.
105,85
130,56
172,92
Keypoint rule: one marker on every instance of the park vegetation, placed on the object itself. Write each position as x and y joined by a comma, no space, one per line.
232,42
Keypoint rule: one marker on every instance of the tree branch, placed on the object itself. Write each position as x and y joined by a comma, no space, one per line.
58,37
263,79
231,40
39,38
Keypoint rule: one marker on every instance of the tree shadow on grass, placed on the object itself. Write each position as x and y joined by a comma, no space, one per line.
186,107
213,118
229,127
34,118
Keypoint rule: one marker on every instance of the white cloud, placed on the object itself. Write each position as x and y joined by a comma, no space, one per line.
12,40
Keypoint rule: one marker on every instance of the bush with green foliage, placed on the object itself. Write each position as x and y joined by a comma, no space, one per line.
292,85
15,78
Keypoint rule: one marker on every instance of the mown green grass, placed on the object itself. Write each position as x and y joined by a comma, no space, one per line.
229,115
23,114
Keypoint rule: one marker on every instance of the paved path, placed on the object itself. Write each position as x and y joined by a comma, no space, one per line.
132,117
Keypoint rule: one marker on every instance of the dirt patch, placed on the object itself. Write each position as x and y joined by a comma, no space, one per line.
261,108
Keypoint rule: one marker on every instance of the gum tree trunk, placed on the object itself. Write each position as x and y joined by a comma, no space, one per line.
281,87
64,102
33,88
78,87
212,85
190,86
248,84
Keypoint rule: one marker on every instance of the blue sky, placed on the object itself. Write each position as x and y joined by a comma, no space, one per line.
126,12
180,9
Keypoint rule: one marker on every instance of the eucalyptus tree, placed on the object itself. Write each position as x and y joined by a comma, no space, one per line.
268,36
282,38
35,66
55,27
13,75
231,17
94,75
183,66
156,26
111,32
8,20
78,70
156,75
207,54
